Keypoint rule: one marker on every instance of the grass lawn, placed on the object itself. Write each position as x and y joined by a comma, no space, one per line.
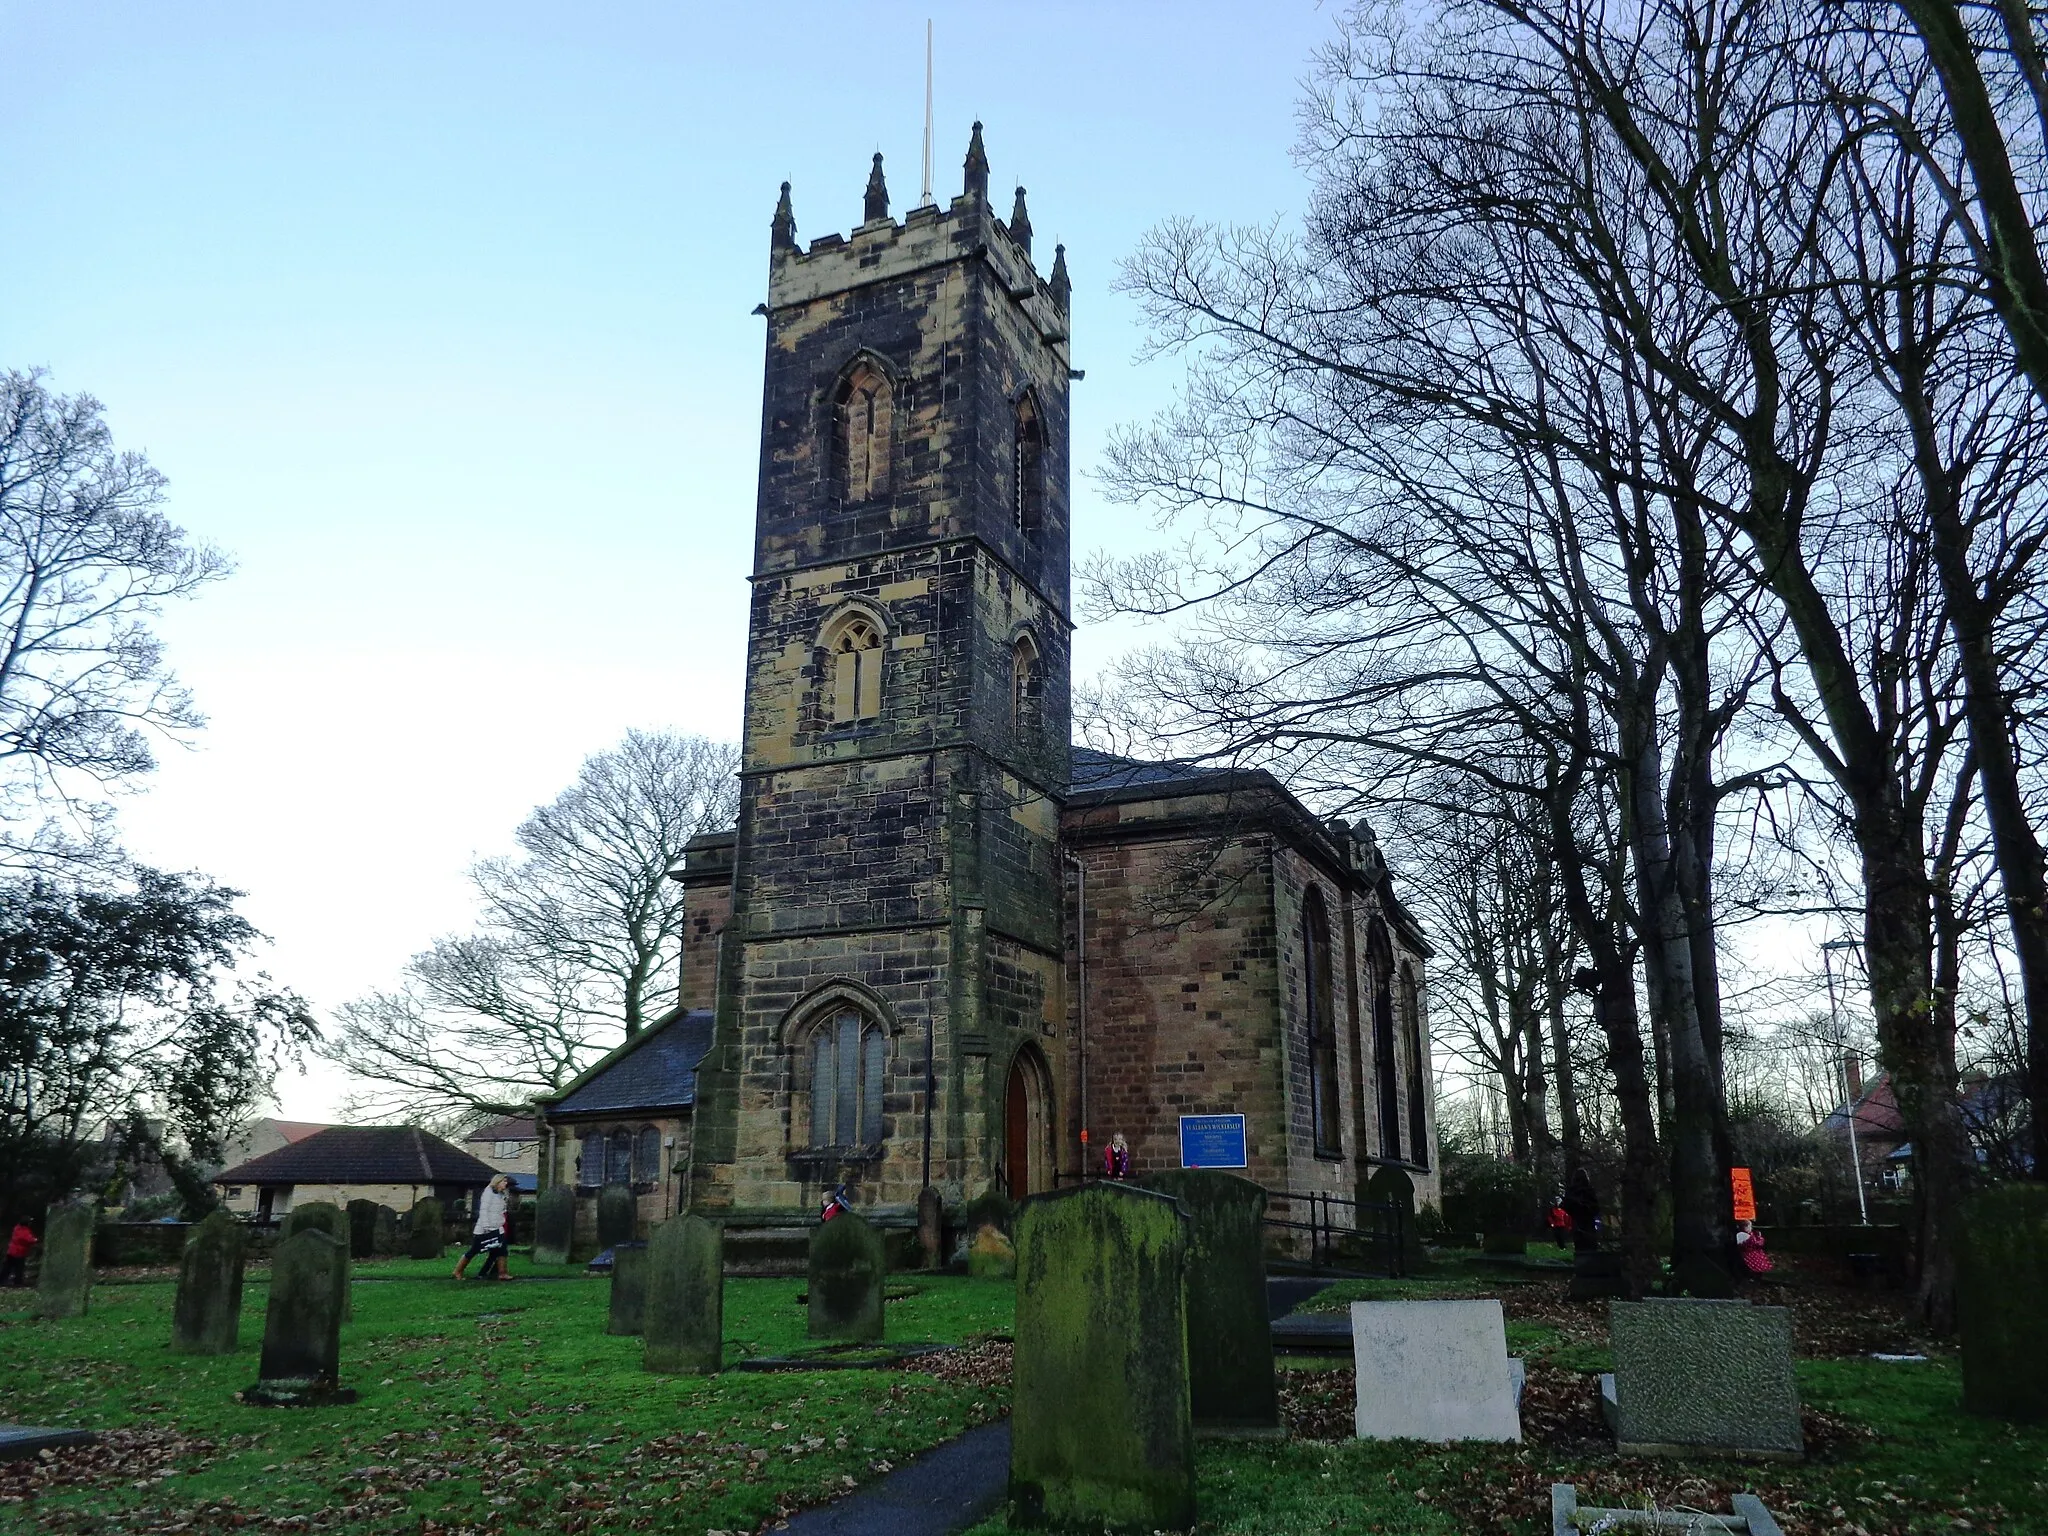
483,1407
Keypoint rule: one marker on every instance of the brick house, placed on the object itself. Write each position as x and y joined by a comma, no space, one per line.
394,1165
626,1120
510,1144
942,946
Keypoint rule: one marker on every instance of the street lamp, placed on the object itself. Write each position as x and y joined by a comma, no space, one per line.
1827,960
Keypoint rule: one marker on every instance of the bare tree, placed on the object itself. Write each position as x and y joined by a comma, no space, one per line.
579,938
86,559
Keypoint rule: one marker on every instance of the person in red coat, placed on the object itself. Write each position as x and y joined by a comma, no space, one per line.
14,1271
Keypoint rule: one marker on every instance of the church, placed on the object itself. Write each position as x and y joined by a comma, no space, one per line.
943,946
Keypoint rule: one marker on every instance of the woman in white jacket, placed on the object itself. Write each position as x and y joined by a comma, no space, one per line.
491,1235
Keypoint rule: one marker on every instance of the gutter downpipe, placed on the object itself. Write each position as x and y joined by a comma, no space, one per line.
1081,963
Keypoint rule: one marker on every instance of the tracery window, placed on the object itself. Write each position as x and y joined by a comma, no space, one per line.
1418,1086
1322,1023
1386,1068
1024,687
848,1065
647,1156
864,426
854,650
590,1162
1028,491
618,1157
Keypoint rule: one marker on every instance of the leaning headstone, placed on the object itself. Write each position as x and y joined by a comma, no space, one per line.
685,1323
2003,1278
302,1324
629,1289
1230,1340
1433,1370
1392,1186
846,1271
618,1216
554,1224
384,1240
206,1318
362,1229
1100,1427
931,1227
326,1216
64,1287
1692,1376
426,1230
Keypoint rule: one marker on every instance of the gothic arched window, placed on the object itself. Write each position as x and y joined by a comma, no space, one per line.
848,1065
1418,1083
864,427
853,648
647,1156
1024,687
1028,468
1379,952
618,1157
590,1162
1321,1013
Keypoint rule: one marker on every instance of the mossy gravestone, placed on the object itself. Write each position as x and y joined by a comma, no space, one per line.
991,1255
206,1319
1100,1427
64,1287
846,1272
302,1323
931,1227
618,1216
426,1230
2002,1302
1392,1186
362,1229
326,1216
1230,1341
554,1224
384,1241
629,1289
685,1332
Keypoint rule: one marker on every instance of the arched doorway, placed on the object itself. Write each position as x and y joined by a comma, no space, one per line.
1027,1153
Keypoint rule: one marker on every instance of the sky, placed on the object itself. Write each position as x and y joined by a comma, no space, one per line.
439,321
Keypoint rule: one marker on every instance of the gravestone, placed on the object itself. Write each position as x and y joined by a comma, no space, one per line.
1433,1370
206,1318
931,1227
1230,1341
618,1216
846,1270
326,1216
1598,1273
554,1224
2002,1282
991,1255
362,1229
685,1330
1692,1375
1101,1432
64,1288
629,1288
384,1239
301,1362
426,1230
1392,1186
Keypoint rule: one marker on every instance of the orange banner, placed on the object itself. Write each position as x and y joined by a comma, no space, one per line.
1745,1194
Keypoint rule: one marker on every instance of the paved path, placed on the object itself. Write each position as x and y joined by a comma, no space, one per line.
947,1489
19,1440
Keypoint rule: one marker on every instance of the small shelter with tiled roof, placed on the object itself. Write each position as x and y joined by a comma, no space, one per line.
394,1165
626,1120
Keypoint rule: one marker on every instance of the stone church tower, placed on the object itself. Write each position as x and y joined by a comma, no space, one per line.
890,982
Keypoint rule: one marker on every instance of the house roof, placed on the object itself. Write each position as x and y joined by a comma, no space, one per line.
1105,776
363,1154
508,1128
655,1070
299,1130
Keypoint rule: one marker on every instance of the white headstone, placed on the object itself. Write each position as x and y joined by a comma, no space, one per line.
1433,1370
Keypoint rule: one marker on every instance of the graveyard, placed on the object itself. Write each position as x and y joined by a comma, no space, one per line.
551,1404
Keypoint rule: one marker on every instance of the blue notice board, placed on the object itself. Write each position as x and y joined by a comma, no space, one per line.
1212,1141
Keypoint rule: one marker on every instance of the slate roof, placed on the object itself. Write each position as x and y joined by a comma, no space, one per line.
363,1154
510,1128
655,1070
1108,776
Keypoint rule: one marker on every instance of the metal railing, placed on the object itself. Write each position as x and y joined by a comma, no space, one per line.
1344,1236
